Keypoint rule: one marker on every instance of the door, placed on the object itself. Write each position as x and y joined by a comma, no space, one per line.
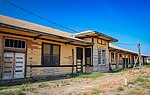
8,66
19,65
79,60
13,66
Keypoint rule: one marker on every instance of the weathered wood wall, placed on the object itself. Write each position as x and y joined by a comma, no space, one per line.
34,54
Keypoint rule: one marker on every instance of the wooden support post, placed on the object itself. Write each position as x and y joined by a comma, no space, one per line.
72,61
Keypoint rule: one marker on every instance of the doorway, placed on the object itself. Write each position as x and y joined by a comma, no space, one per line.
79,67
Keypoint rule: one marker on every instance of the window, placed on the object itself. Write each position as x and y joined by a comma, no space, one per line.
120,55
99,41
51,54
112,55
15,44
101,56
103,42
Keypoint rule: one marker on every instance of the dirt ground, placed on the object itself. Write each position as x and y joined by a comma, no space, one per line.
109,84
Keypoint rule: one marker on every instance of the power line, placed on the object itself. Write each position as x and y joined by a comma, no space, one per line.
7,1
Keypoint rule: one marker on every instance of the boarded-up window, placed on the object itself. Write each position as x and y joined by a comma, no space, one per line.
51,54
14,43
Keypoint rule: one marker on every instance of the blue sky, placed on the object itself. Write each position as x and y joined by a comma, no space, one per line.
126,20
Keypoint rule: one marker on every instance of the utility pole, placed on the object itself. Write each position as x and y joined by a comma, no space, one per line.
139,54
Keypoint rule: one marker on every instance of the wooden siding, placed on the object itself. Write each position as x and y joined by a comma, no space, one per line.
34,57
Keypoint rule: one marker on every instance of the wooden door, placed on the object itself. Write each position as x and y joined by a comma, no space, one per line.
8,65
19,65
79,60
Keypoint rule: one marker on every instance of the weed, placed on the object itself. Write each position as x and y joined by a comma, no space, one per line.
44,85
3,87
64,83
119,88
95,91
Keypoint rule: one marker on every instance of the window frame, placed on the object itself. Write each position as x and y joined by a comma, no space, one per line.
102,61
14,48
51,54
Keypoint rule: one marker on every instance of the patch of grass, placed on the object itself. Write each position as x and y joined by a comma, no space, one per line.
134,93
92,75
96,91
121,70
7,92
147,66
145,85
10,92
3,87
117,94
64,83
44,85
141,79
35,91
119,88
27,87
19,92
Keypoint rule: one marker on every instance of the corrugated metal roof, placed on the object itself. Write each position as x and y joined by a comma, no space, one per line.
36,27
84,33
